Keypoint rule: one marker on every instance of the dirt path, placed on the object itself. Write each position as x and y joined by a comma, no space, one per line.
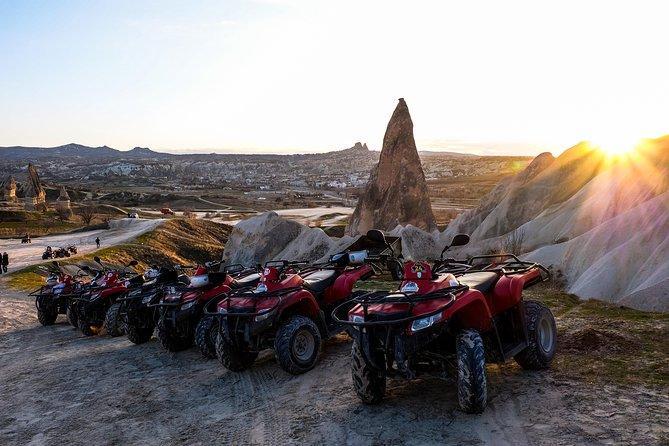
60,387
22,255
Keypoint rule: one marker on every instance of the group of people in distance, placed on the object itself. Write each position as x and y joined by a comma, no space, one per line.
4,259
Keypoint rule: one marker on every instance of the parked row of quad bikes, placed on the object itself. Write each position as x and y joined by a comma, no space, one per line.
448,318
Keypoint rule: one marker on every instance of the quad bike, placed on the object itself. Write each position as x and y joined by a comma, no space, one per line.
51,298
60,253
182,307
290,310
449,319
26,239
47,254
91,305
71,249
133,310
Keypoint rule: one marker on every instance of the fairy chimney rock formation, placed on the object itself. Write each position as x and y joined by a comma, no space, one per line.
63,200
9,190
396,193
35,196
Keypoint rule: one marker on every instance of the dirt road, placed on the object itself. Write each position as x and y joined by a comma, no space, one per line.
22,255
58,387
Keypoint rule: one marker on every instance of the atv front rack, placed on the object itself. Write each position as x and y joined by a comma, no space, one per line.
384,297
246,293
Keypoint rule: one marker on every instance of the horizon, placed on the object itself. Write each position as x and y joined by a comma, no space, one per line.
289,76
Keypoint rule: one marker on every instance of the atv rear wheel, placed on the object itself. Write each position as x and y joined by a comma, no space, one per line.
72,316
170,340
88,329
297,345
113,324
139,335
472,382
205,336
541,337
47,316
231,357
369,383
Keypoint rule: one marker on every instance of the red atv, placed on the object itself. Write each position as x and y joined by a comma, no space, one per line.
449,319
90,306
51,298
182,307
290,311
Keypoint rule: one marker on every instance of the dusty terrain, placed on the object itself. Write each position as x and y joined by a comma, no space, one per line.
59,387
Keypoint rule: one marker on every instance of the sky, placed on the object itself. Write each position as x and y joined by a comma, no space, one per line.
288,76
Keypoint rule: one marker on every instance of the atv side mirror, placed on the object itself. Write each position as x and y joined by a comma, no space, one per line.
460,240
97,260
376,236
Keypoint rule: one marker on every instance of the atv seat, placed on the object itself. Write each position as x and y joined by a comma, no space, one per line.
482,282
319,281
250,280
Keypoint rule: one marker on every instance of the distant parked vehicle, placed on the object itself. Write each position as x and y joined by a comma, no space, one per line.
167,211
133,215
26,239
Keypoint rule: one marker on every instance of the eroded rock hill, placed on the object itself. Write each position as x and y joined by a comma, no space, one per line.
396,193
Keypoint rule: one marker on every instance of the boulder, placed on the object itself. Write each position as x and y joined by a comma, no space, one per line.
396,193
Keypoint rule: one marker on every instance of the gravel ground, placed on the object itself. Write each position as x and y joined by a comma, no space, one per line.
59,387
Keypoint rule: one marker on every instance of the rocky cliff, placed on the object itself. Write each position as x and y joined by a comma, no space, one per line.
396,193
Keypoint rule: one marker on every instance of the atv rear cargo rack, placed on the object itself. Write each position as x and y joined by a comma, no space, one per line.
509,267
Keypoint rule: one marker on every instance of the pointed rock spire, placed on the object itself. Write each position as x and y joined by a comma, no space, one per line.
396,193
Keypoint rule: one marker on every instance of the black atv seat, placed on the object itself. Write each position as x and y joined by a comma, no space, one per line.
245,281
483,282
320,280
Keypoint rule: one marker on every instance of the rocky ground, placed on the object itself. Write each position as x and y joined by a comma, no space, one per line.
60,387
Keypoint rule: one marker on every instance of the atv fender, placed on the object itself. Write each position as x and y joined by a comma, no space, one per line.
300,302
470,311
509,289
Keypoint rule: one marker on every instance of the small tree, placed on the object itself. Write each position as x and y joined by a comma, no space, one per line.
87,214
64,214
513,243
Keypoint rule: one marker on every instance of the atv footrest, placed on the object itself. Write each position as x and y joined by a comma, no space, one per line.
511,350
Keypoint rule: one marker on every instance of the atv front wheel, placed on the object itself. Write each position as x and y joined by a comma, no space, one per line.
297,345
170,340
472,382
113,324
231,357
369,383
139,335
47,317
72,316
205,336
541,337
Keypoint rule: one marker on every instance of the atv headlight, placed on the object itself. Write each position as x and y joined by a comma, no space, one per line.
423,323
264,314
188,305
356,318
222,311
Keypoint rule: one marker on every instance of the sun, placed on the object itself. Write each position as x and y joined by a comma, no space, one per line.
617,145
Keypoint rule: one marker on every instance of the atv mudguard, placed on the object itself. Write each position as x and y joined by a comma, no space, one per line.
508,290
